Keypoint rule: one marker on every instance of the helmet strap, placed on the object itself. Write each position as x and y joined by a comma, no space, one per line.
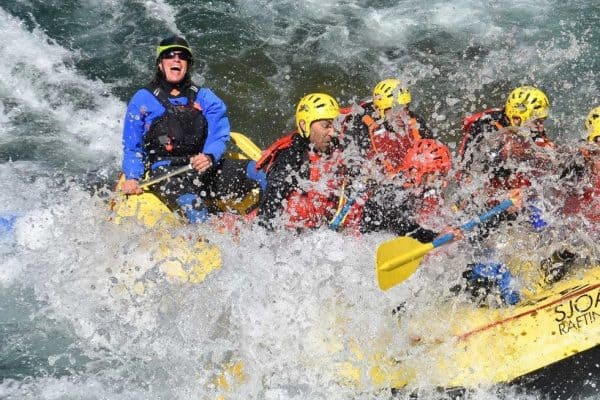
303,131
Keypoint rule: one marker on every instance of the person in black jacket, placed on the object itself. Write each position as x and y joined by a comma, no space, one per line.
303,168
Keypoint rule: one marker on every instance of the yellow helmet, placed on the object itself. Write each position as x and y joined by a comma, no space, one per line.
314,107
388,93
592,124
526,102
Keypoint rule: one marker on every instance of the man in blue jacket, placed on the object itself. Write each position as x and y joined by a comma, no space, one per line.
171,123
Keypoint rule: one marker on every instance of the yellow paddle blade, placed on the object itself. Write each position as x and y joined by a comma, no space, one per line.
399,258
246,145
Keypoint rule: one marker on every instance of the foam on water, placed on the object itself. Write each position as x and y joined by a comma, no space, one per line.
162,11
46,101
291,308
272,308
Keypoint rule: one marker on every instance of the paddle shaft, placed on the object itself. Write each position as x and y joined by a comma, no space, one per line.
241,140
444,239
153,181
505,205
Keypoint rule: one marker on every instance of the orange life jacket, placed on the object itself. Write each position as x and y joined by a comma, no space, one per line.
315,206
393,146
265,162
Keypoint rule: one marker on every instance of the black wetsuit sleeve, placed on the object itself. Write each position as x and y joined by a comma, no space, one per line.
424,130
423,235
358,134
480,127
282,178
384,211
572,171
479,130
487,124
483,230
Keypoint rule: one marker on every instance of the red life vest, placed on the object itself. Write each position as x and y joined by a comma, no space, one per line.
516,180
314,206
586,204
541,140
429,210
391,146
265,162
544,141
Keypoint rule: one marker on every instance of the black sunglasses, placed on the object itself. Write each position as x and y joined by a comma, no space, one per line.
169,55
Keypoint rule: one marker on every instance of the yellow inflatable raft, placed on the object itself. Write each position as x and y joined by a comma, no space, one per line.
180,258
454,344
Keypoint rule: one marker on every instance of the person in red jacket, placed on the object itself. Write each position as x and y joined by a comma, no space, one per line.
526,109
493,140
409,208
385,128
505,151
307,184
581,203
304,169
584,199
501,151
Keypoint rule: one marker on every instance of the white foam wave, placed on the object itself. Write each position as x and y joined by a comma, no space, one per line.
162,11
39,79
280,294
293,309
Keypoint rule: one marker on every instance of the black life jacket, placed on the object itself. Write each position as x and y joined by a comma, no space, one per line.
179,133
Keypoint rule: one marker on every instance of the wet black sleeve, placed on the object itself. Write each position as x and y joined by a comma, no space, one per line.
281,180
423,235
385,211
479,130
424,130
358,134
485,229
487,124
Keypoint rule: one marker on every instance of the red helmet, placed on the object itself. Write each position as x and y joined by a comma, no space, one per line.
427,156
